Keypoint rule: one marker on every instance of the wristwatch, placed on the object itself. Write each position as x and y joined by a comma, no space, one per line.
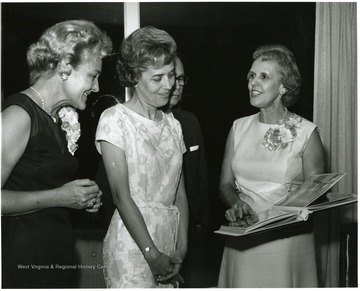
147,249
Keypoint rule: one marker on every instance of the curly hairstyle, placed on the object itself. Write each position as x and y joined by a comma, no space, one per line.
146,46
69,39
288,69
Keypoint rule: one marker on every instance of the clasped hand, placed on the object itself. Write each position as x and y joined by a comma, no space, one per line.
165,268
82,193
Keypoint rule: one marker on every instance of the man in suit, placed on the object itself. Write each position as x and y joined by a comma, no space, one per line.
196,185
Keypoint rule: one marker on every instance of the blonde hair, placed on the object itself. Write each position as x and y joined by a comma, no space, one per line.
66,40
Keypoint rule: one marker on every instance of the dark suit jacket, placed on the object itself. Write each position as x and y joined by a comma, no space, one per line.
195,167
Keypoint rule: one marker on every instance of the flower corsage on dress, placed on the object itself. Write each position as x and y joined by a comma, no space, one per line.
283,133
70,124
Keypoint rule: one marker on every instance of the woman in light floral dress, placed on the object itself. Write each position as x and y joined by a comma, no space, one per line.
142,151
267,156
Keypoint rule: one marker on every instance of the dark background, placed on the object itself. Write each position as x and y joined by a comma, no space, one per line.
215,42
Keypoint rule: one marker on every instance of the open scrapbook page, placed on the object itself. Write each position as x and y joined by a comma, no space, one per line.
294,208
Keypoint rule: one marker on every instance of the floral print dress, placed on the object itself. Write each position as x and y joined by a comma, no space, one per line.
153,152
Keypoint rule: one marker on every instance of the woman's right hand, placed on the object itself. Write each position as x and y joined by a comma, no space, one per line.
160,264
238,211
79,194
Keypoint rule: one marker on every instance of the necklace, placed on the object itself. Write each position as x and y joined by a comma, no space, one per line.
42,100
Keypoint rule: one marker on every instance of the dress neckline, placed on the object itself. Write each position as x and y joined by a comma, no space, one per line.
42,110
142,118
257,117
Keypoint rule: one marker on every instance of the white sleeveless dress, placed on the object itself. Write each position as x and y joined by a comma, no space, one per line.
154,157
280,258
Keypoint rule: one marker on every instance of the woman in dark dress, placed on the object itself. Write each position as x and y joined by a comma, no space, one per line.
39,134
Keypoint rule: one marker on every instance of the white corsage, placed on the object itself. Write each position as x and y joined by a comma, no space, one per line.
70,124
285,132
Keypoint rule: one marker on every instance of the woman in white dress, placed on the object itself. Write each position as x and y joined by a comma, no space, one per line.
266,156
142,151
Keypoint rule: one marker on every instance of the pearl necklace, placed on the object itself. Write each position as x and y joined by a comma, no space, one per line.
42,100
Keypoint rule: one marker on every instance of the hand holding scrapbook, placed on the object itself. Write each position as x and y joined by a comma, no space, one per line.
294,208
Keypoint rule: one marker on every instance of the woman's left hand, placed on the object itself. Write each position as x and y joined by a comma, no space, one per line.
174,277
174,281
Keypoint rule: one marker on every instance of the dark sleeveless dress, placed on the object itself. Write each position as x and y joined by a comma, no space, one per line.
37,248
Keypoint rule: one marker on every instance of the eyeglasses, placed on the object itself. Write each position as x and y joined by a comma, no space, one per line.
182,80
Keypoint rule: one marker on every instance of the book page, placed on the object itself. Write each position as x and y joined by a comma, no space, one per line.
292,209
269,216
271,219
311,189
334,200
256,221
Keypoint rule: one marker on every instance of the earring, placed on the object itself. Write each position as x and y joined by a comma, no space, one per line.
64,76
135,86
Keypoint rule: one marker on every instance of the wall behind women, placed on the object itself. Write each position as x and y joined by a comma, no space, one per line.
215,40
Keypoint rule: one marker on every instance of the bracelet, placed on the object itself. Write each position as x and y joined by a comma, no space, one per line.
147,249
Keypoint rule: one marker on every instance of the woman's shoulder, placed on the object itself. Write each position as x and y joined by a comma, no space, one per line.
17,99
18,113
115,111
115,108
305,123
245,120
170,119
20,103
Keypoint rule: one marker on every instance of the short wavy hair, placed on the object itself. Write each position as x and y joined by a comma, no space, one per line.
288,69
146,46
70,39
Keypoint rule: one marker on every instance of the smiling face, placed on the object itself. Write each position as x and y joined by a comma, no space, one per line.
264,84
155,84
82,81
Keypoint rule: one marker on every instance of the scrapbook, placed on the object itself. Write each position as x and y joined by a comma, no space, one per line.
293,208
